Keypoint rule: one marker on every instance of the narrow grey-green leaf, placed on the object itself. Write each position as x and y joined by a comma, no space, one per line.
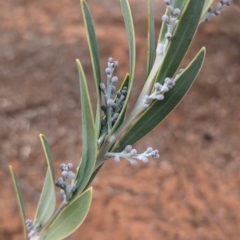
182,38
19,200
132,51
70,218
93,48
47,201
151,38
127,16
160,109
46,204
89,139
48,155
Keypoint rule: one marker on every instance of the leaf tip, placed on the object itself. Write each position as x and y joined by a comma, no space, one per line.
10,168
202,52
203,49
78,62
41,136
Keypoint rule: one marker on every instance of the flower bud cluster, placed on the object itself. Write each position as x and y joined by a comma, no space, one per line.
114,99
67,189
171,20
132,155
159,91
215,11
33,228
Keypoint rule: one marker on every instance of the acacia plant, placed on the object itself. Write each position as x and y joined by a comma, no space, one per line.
109,132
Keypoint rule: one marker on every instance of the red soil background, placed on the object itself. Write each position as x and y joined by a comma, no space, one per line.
192,192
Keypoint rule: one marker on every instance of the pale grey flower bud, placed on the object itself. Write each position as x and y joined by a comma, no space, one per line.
144,159
70,165
117,159
110,102
114,79
149,150
160,97
167,2
133,162
113,90
128,148
74,188
133,152
166,19
102,86
176,12
70,175
158,86
147,99
119,94
108,71
168,35
164,88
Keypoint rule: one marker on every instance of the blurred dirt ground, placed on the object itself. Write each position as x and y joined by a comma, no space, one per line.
192,192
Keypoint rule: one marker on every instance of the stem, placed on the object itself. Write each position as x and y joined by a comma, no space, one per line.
149,82
109,118
101,138
109,141
129,120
